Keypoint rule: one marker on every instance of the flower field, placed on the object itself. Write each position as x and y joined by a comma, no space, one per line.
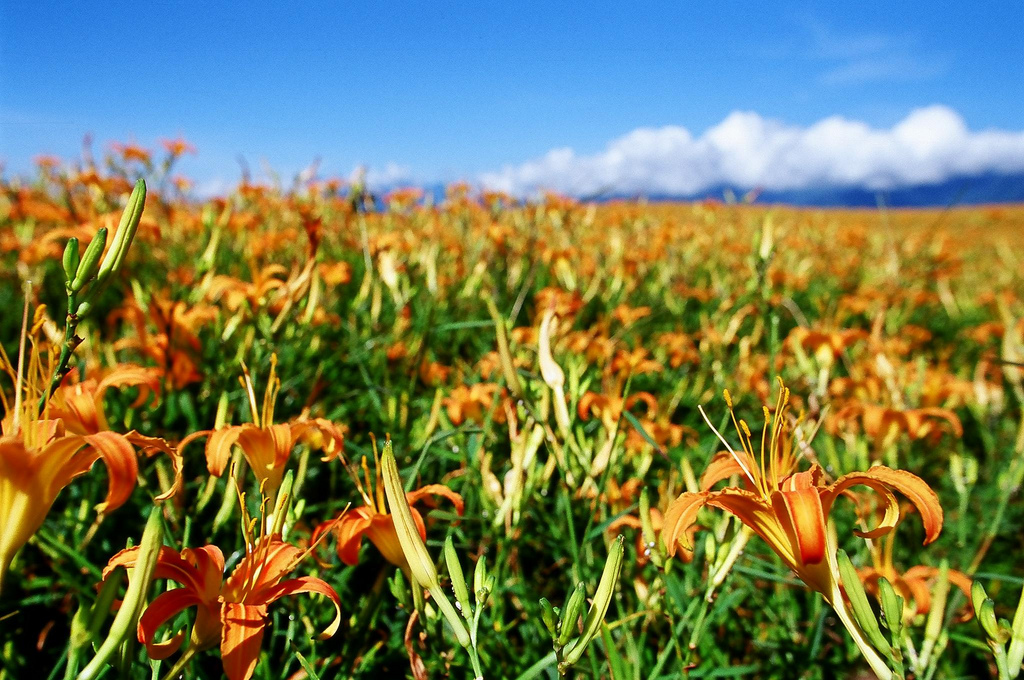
303,431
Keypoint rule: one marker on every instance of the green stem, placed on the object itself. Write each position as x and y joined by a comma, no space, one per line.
181,663
71,343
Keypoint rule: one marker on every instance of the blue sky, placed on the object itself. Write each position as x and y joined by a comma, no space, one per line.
477,87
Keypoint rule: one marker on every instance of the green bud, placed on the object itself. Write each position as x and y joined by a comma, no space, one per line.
598,609
1015,652
549,617
567,627
859,600
421,566
985,611
481,584
125,233
86,270
83,309
451,559
284,501
933,627
892,608
71,260
79,633
399,589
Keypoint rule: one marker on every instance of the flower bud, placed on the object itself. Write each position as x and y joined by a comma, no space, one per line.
567,627
599,607
71,261
421,567
86,269
451,559
125,233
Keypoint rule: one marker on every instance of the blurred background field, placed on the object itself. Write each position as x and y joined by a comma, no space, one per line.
898,331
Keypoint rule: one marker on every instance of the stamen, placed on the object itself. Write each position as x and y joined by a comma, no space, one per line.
21,358
270,395
728,448
247,384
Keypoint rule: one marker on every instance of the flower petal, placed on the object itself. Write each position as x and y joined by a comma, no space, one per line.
269,562
679,517
807,521
122,467
305,584
241,638
908,484
218,448
153,445
762,518
350,531
436,490
723,466
162,609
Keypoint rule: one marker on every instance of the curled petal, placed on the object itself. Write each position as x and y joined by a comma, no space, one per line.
122,467
908,484
350,530
154,445
218,448
306,584
145,379
918,426
437,490
723,466
322,434
679,517
162,609
921,575
173,566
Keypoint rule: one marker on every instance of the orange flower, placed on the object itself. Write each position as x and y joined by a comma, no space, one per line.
80,405
39,457
790,509
266,445
177,147
373,520
474,403
231,613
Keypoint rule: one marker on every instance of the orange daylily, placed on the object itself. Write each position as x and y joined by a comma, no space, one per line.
885,424
374,521
790,509
80,405
474,403
231,613
267,445
40,455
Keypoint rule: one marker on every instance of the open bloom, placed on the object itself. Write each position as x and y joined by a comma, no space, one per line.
790,509
265,444
230,613
373,520
40,455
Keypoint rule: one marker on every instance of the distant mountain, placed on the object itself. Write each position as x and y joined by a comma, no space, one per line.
970,190
967,190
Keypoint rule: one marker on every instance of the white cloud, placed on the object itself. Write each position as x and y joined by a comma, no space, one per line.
746,150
